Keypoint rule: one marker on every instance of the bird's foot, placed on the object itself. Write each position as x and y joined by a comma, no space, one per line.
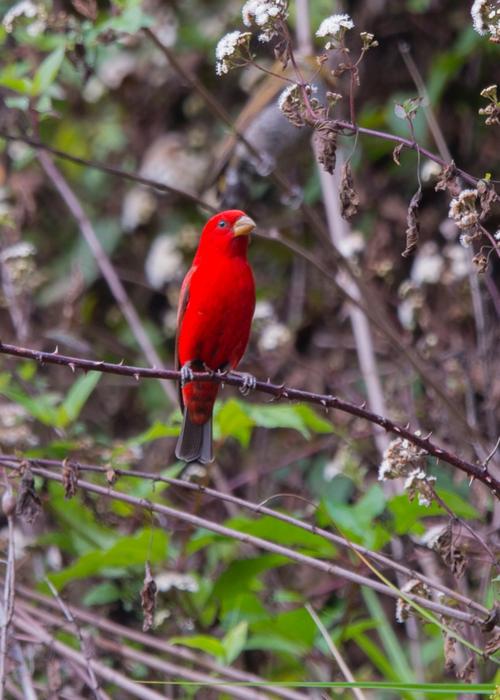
249,383
186,374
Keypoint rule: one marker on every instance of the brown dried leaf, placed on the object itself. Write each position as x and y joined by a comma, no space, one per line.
87,8
70,478
148,599
111,477
397,152
480,262
28,504
349,200
449,553
492,620
487,197
326,146
450,653
493,644
448,180
412,224
466,673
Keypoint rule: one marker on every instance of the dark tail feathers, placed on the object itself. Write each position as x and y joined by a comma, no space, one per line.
195,441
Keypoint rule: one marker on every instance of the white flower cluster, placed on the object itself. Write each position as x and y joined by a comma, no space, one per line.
264,14
28,9
334,27
229,49
463,209
418,483
486,18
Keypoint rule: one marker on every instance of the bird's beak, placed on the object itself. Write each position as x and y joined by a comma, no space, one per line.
243,226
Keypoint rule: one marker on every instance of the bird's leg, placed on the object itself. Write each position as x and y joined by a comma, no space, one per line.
249,383
186,373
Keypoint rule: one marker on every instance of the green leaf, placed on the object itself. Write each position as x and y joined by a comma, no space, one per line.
127,551
240,576
76,398
312,420
234,641
231,420
41,407
156,431
22,85
294,627
47,71
203,642
283,533
102,594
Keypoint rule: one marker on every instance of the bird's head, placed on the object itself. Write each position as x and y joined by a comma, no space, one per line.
227,232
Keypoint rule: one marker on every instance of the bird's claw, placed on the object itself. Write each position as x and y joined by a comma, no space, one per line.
249,384
186,374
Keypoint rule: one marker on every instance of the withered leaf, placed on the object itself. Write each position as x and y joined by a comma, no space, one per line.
449,553
349,200
466,673
148,599
87,8
326,145
28,504
480,262
450,653
493,644
412,224
448,180
397,152
487,197
70,478
492,620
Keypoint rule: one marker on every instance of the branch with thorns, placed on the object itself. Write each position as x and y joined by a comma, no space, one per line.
278,391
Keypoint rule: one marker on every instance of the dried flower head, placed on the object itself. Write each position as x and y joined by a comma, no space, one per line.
231,51
334,28
401,458
492,110
419,484
463,209
414,587
265,14
486,18
291,103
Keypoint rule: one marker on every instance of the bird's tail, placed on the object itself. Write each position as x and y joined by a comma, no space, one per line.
195,441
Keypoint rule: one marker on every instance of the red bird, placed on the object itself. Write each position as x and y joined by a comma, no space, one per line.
215,313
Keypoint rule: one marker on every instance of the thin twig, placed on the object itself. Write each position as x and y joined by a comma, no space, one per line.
25,679
94,684
158,644
474,471
105,265
346,671
262,509
29,626
260,543
7,605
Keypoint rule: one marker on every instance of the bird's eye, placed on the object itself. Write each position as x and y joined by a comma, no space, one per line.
222,224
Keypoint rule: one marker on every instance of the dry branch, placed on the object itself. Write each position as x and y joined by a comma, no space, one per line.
260,543
474,471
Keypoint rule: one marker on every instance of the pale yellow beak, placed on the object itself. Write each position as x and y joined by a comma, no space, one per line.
244,226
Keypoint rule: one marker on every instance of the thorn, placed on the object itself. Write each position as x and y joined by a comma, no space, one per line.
72,367
323,402
407,426
56,351
136,376
121,363
427,437
363,406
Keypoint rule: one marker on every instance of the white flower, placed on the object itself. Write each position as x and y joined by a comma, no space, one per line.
163,262
497,235
288,93
335,26
229,48
25,8
274,336
428,265
477,20
264,14
486,18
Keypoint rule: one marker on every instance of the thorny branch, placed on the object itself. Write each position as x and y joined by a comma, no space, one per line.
474,471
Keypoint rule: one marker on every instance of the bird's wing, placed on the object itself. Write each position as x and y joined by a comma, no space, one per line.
183,302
